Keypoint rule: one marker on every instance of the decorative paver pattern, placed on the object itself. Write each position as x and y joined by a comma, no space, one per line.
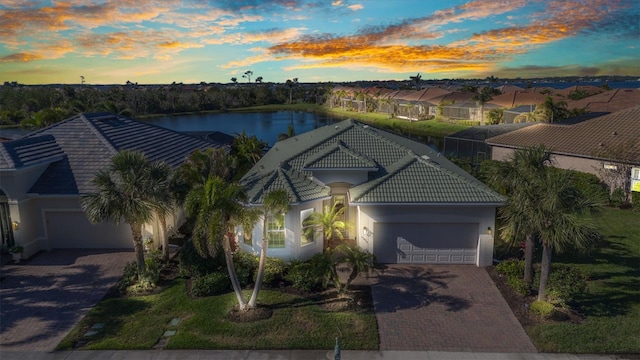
444,308
42,299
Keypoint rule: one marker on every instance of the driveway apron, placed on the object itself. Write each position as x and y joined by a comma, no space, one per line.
42,299
444,308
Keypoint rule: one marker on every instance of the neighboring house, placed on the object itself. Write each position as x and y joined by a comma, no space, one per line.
44,174
470,143
406,203
587,146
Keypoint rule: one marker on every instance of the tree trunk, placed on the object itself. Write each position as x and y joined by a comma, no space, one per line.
545,269
138,248
528,261
228,257
258,284
164,239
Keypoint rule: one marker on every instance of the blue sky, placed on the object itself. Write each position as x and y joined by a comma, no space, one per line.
161,41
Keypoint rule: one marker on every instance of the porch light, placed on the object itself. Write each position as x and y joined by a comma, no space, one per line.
489,231
15,225
366,231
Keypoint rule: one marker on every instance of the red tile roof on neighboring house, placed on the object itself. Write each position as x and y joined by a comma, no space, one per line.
457,97
600,138
610,101
517,98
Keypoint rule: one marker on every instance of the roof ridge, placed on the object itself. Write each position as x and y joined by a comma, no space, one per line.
319,141
98,133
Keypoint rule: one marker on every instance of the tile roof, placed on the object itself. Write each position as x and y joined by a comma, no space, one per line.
415,180
338,156
610,101
598,138
85,144
360,145
27,152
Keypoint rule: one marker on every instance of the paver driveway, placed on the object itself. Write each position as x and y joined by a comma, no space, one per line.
43,299
444,308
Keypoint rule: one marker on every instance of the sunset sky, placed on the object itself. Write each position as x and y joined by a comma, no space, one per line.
161,41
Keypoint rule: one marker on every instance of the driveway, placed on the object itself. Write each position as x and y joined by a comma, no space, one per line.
444,308
42,299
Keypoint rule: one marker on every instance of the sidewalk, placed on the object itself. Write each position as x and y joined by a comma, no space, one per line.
289,355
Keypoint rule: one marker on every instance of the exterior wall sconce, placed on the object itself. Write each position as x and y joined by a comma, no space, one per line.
367,231
489,231
15,225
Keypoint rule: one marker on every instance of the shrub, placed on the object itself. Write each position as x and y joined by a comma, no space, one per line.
303,276
565,284
210,284
193,264
513,269
154,266
635,200
542,308
590,186
129,277
617,198
273,270
518,285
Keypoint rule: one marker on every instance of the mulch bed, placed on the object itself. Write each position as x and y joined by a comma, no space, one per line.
520,304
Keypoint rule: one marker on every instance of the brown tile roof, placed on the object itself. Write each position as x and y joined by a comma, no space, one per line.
596,138
516,98
457,97
589,89
610,101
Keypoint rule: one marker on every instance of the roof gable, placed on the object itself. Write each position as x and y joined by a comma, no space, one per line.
339,156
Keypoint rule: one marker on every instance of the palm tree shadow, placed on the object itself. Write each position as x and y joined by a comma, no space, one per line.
414,287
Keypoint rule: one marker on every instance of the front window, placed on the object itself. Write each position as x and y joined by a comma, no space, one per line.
245,237
276,230
308,229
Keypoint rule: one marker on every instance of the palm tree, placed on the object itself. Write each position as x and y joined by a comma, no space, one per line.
359,260
161,175
517,178
217,208
248,74
555,111
275,202
416,80
330,222
562,223
291,84
199,167
126,191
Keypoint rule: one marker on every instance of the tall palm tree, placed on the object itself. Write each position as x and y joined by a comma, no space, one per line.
555,111
217,208
275,202
562,223
161,175
126,191
517,178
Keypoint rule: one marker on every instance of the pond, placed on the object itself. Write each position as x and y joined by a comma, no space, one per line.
265,125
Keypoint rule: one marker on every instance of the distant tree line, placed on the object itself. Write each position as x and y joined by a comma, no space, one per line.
39,106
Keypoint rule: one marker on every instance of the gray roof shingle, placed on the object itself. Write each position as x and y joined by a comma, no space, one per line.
84,144
400,170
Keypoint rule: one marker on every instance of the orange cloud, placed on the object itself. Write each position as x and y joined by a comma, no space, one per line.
355,7
19,57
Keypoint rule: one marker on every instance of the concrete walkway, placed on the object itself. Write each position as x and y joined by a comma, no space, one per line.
43,298
289,355
453,308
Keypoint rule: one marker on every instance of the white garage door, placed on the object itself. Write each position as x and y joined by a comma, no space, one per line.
72,230
426,243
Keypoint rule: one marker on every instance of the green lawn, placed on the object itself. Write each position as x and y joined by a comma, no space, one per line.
612,306
296,323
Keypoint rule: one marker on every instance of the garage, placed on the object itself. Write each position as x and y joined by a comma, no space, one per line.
420,243
72,229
